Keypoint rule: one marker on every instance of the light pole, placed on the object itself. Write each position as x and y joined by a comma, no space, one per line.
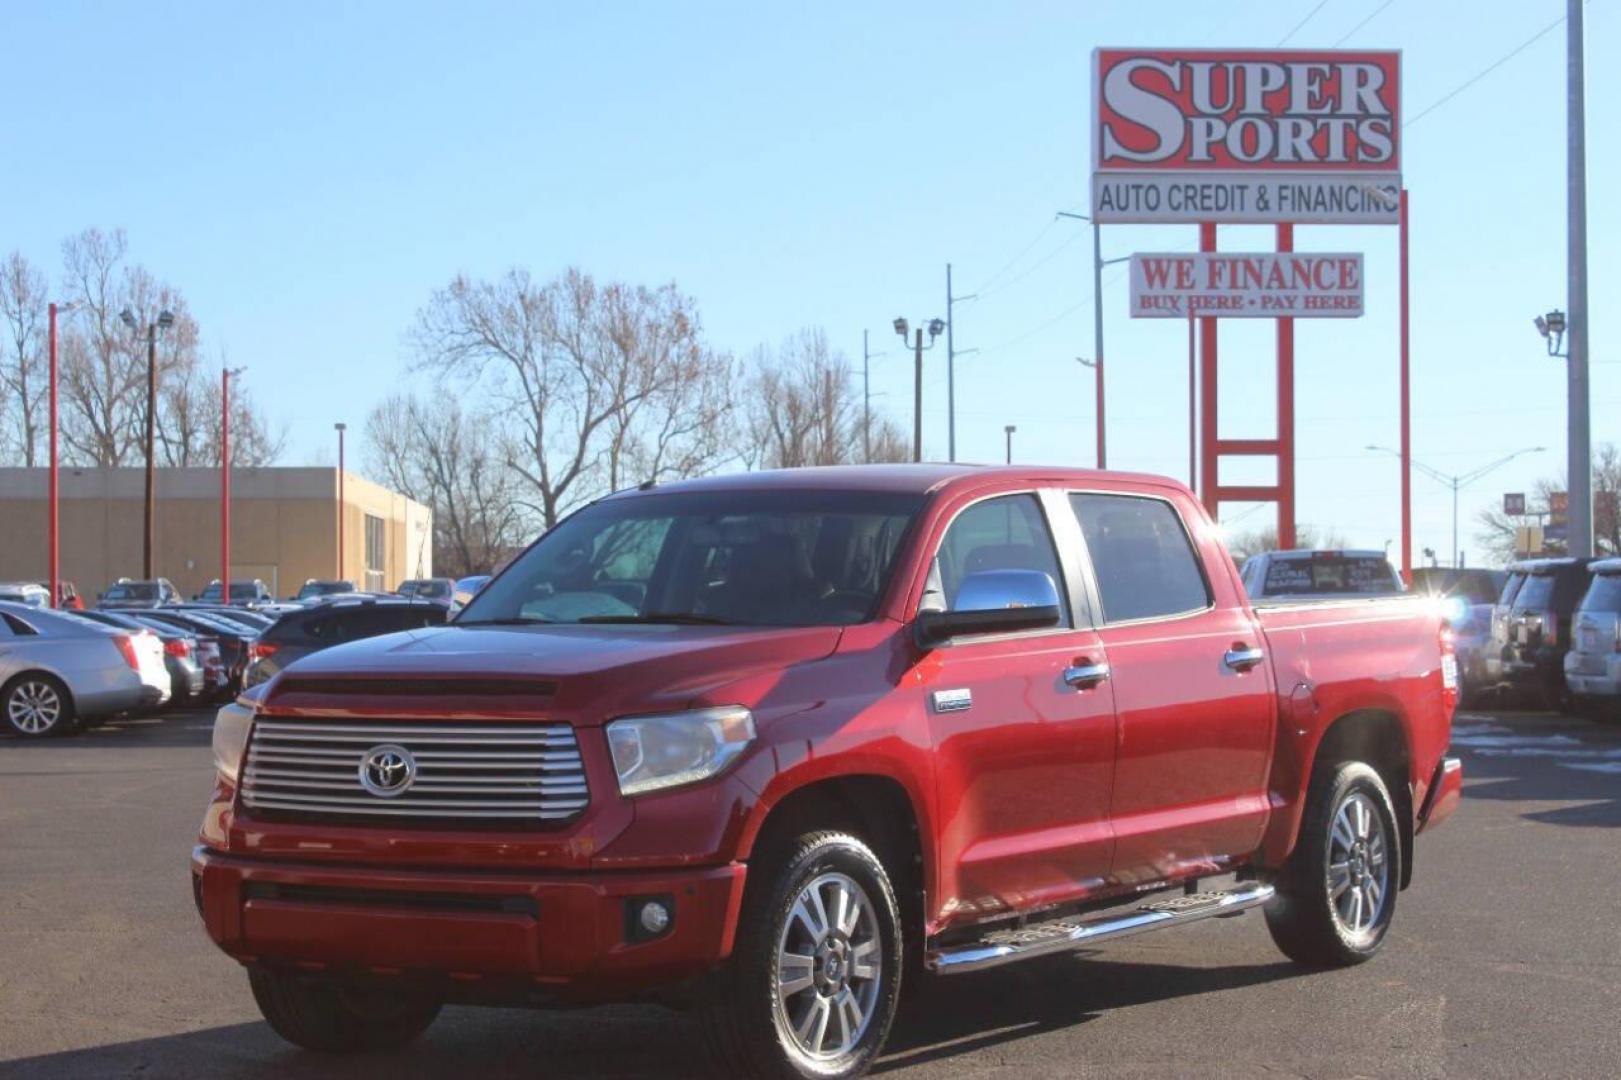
951,367
1098,263
1579,451
1008,431
901,328
225,481
340,427
1457,481
867,357
164,320
52,529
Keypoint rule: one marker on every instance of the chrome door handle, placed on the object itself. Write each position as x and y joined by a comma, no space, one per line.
1083,675
1242,659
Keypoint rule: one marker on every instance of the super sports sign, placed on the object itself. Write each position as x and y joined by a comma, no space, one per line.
1246,136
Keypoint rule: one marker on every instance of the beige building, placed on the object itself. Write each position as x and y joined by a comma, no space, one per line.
284,528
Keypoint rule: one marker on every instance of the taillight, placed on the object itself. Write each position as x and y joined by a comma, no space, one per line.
177,646
126,648
1618,633
1449,666
258,650
1550,626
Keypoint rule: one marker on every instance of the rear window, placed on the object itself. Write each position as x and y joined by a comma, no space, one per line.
1511,587
1604,595
1536,594
1327,575
134,591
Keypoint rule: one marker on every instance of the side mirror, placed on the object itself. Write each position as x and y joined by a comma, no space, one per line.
994,602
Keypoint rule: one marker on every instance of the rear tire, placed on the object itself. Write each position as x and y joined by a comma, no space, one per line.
808,993
320,1013
36,705
1337,893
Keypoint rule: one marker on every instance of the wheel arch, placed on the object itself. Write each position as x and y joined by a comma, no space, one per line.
55,677
1379,738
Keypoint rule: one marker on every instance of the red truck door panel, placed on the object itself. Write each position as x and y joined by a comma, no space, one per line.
1024,759
1192,690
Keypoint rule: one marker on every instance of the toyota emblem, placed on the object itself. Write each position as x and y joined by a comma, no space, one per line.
387,770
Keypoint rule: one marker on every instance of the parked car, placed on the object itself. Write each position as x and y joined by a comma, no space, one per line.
1539,628
1593,664
1496,652
1472,639
59,672
255,619
314,589
768,741
1317,575
182,654
441,589
466,589
128,593
242,592
233,638
67,596
26,593
334,621
1467,586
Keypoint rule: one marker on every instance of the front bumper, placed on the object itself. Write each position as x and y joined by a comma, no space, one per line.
492,935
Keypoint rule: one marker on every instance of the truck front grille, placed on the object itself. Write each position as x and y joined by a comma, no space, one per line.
519,774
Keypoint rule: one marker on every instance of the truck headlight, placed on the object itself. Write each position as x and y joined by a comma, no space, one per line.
231,726
651,753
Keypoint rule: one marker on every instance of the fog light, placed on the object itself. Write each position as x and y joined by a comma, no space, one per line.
655,917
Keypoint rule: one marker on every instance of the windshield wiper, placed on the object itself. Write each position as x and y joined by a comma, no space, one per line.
673,618
506,620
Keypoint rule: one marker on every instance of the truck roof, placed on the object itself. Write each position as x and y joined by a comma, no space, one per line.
920,478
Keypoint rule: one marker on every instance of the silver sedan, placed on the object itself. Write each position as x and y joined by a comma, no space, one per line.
58,670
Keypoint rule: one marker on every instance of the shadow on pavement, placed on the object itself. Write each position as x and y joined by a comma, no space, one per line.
943,1020
188,726
1543,757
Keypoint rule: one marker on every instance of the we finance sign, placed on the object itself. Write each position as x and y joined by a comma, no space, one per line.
1246,285
1192,135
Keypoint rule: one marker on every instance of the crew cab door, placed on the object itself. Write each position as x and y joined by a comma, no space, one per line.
1023,727
1192,687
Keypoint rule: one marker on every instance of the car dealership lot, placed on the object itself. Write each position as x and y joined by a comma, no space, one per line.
1505,959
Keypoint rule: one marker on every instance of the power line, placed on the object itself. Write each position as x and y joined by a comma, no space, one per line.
1371,16
1032,268
988,282
1299,26
1493,66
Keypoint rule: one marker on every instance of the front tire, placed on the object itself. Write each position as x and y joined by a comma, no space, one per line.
1337,894
37,705
812,984
320,1013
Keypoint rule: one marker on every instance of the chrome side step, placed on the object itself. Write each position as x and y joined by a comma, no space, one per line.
1041,939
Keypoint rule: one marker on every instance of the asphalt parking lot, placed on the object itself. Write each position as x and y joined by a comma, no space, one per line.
1505,959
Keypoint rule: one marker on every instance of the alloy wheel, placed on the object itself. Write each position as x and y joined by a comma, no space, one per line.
34,707
828,967
1358,865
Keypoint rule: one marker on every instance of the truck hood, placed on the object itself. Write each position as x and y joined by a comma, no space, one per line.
583,674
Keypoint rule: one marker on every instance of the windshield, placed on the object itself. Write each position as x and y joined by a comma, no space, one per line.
1511,587
1327,575
748,558
136,590
1604,595
323,588
430,589
1536,593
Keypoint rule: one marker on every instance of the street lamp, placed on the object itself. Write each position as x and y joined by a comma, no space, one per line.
164,321
1458,481
52,528
1552,328
225,482
340,427
936,327
1098,263
1008,431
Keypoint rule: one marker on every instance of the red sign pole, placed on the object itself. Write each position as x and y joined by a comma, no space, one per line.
1406,412
1207,390
225,487
1193,413
1286,414
56,583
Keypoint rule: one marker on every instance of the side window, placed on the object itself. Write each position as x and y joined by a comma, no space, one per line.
1004,533
1144,562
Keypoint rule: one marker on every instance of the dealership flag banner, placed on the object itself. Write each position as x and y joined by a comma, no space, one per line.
1246,136
1254,285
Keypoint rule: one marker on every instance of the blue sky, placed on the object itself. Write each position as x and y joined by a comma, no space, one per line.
309,173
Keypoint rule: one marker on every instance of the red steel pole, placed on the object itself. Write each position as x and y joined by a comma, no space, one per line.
340,496
1286,413
1207,389
1193,416
51,529
225,486
1406,411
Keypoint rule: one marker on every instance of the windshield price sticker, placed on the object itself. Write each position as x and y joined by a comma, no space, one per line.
1260,285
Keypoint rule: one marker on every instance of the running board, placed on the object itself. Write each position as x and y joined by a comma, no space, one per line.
1041,939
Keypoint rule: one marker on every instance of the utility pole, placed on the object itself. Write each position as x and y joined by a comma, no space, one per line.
866,401
1580,465
936,326
1098,263
164,320
1008,431
951,368
225,481
340,428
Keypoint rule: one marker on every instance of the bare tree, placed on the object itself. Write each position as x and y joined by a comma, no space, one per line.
1241,545
804,409
188,429
23,374
1497,531
604,385
435,454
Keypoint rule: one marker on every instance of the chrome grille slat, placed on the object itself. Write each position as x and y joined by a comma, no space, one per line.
526,774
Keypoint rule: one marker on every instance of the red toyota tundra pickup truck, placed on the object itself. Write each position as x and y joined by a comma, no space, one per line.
770,745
